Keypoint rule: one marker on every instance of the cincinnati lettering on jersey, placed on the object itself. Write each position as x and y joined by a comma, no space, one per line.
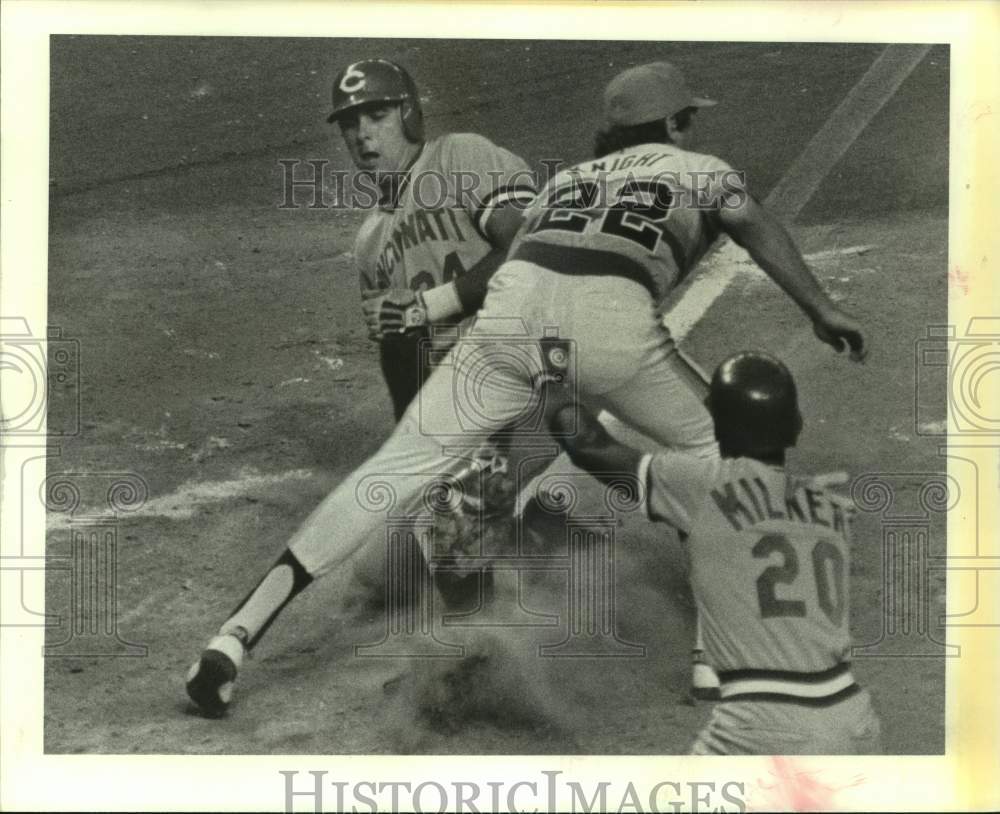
418,227
747,502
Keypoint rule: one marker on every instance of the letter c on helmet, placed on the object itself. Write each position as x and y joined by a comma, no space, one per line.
353,81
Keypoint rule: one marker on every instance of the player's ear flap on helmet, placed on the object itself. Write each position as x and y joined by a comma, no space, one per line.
413,120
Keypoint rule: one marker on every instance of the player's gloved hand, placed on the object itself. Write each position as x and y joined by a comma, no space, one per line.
392,310
837,328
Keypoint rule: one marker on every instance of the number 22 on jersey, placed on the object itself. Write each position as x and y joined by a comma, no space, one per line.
636,213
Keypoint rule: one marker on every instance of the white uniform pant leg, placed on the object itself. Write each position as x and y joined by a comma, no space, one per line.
664,400
628,364
468,398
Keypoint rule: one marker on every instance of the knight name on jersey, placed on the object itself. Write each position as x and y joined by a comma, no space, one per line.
627,161
747,501
420,226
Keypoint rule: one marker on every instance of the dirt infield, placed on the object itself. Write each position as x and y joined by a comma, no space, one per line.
223,359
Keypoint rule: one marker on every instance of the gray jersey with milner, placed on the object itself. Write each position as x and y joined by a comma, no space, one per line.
769,558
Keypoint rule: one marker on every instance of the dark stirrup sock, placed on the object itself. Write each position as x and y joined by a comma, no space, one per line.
282,583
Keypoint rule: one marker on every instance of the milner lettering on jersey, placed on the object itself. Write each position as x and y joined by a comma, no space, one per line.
746,502
418,227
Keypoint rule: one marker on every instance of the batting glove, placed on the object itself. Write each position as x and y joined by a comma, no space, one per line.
393,310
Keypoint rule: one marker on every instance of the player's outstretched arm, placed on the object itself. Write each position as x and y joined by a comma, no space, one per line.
589,445
772,248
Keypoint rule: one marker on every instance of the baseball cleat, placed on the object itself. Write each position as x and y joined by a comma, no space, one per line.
704,680
210,679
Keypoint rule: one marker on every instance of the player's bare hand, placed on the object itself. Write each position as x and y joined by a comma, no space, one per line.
392,310
839,329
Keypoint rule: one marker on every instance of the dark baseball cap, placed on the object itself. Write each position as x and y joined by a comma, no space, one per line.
648,92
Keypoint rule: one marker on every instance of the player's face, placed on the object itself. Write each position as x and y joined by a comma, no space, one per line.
375,139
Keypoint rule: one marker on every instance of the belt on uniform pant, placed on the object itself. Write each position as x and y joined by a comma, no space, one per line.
591,262
811,689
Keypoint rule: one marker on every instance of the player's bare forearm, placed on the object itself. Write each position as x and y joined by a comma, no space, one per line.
590,446
772,248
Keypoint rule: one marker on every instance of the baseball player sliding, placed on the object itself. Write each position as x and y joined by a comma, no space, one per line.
769,566
600,246
443,224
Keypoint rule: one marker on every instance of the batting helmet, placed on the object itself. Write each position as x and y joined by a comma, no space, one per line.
378,80
754,405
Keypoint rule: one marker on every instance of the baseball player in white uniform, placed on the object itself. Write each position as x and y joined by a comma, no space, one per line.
599,248
769,564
